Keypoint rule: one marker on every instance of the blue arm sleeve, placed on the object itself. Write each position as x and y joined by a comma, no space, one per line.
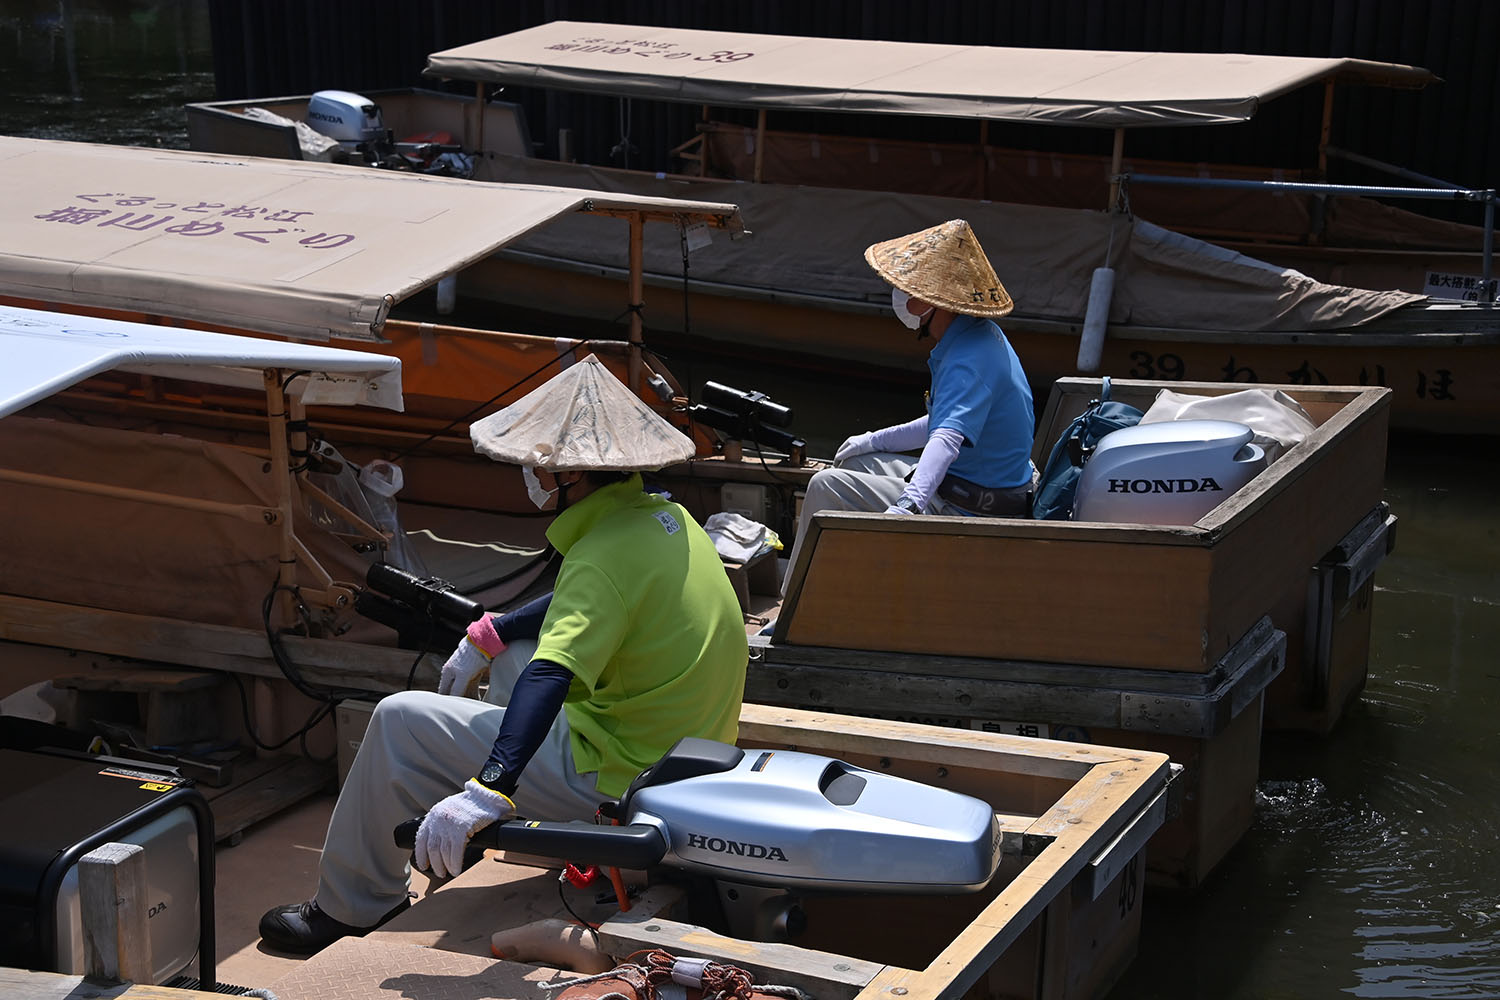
534,703
525,622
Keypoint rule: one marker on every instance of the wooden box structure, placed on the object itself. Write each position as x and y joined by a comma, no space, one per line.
1146,635
1060,920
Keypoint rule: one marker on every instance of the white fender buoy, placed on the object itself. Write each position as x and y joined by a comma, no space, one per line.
447,294
1095,319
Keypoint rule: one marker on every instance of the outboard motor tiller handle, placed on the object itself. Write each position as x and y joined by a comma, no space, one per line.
637,846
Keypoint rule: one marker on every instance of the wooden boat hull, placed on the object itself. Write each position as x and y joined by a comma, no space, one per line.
1441,382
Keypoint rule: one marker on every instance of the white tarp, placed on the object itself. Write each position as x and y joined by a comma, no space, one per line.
1044,86
45,352
308,250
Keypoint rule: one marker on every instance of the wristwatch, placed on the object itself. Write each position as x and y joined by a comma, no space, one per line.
496,779
907,504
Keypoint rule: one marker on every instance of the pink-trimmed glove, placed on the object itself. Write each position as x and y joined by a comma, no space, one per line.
447,827
472,656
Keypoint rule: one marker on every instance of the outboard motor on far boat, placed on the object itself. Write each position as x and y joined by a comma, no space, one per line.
355,122
1172,472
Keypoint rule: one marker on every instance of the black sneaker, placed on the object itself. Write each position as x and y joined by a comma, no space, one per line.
303,928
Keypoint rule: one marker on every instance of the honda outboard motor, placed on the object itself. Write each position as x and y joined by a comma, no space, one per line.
765,824
348,118
1172,472
355,122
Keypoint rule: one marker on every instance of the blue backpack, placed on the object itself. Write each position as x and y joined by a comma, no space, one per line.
1054,494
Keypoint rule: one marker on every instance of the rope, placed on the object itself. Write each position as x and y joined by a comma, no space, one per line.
645,972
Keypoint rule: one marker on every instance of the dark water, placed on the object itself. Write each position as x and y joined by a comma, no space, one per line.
1371,869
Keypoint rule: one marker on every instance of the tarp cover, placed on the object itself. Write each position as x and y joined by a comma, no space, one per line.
308,250
138,556
1043,86
45,352
810,242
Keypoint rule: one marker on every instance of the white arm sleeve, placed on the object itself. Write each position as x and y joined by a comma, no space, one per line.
902,437
942,449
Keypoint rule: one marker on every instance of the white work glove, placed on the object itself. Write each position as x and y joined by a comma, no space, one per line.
893,509
447,827
859,444
462,667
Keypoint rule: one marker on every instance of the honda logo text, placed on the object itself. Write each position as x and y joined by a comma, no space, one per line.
1204,485
721,846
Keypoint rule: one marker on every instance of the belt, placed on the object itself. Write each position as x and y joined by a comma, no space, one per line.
986,501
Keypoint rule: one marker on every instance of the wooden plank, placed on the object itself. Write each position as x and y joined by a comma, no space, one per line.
824,975
211,647
290,781
112,904
112,677
832,734
966,590
21,984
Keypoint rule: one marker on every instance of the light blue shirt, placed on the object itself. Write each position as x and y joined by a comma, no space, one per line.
980,390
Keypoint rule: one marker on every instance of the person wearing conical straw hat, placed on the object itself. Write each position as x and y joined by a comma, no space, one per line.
642,642
975,440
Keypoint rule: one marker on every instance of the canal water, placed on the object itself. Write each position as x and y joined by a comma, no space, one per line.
1371,869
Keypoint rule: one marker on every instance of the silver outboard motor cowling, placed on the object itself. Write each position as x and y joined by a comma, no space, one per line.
351,119
1173,472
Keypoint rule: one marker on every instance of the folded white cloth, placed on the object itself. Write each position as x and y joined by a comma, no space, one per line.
1278,421
737,538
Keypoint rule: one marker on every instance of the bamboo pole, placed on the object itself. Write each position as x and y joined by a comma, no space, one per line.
1326,131
254,513
637,290
760,143
479,122
286,487
1116,158
984,166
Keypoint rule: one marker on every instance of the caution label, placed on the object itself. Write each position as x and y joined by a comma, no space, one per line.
152,781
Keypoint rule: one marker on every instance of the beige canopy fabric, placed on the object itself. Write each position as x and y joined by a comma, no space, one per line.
308,250
1099,89
581,418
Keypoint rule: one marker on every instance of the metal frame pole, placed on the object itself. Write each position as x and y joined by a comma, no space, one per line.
1487,295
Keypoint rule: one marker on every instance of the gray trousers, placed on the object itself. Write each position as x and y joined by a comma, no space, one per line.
421,747
866,482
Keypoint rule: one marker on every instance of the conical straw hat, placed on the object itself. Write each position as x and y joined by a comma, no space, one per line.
944,266
581,418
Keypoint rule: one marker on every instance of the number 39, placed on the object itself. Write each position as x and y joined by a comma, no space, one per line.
1164,366
724,56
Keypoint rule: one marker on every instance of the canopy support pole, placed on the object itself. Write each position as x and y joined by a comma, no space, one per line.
1116,158
1326,132
760,143
984,166
281,475
479,121
637,290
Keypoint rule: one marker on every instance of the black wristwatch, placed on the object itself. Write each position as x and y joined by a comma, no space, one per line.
496,779
908,504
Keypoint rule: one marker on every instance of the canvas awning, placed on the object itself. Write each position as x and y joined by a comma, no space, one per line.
1043,86
45,352
308,250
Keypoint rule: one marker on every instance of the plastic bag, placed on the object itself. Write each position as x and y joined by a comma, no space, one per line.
381,481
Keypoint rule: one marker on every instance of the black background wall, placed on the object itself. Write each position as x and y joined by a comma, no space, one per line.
267,48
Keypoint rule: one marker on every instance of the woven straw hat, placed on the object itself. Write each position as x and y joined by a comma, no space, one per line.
945,266
581,418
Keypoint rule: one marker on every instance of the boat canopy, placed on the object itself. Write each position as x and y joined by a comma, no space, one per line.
307,250
1080,87
46,351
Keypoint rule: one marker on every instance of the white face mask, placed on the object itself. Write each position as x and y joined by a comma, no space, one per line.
899,300
534,489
